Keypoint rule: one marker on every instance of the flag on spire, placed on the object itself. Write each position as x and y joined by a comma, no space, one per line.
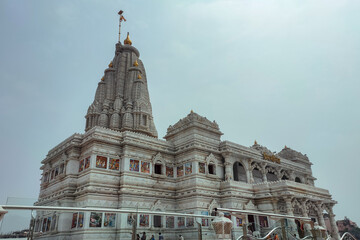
121,19
121,16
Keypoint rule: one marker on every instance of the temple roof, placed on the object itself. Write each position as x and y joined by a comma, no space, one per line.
193,120
291,154
261,149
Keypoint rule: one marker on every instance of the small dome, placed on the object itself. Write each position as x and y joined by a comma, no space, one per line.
127,40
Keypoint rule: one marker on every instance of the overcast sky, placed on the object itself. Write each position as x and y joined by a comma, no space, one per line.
281,72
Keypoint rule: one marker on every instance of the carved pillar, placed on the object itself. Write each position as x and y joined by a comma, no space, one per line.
229,175
263,171
307,226
249,176
320,215
290,211
278,173
334,229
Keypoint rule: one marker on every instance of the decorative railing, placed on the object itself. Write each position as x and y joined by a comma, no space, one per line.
347,236
265,237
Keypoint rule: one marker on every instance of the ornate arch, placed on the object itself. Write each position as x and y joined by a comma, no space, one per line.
270,169
158,158
296,205
281,205
239,170
214,204
255,165
250,205
311,206
285,173
211,159
158,205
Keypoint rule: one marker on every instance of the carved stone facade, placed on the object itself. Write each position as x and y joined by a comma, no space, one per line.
120,163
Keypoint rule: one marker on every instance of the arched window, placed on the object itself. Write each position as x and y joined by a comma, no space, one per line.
284,177
239,172
297,179
257,175
271,176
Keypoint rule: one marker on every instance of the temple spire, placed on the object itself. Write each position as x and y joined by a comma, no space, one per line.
122,99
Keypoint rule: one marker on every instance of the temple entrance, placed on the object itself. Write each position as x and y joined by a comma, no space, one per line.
300,228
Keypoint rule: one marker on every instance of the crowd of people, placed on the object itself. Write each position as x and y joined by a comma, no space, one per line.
160,237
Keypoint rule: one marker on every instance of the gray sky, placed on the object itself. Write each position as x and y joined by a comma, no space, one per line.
281,72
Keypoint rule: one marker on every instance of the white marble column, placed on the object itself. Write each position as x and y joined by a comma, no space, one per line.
264,177
320,215
248,170
290,211
229,175
334,228
307,226
229,161
263,172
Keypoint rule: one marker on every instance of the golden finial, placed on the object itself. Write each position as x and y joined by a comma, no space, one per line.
255,143
191,111
103,78
285,147
127,40
111,64
135,63
139,76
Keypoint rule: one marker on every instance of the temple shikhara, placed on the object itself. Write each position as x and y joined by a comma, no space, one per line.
119,162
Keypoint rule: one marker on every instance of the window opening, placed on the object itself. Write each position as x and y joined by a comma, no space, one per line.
158,168
157,221
211,169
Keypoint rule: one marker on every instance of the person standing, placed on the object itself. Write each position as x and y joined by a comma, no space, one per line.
181,237
161,237
143,237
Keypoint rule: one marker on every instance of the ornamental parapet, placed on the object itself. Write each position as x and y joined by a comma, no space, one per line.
73,140
292,186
